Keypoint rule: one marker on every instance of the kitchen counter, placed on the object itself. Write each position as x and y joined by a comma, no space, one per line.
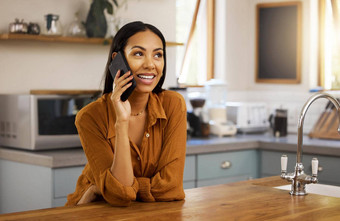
76,157
246,200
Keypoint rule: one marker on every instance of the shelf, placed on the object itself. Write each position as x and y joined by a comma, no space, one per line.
64,39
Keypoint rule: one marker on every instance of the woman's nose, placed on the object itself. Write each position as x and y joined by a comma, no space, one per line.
148,63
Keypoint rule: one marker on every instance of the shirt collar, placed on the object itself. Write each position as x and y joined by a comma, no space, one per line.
155,111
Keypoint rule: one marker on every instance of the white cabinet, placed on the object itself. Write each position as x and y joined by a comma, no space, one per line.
28,187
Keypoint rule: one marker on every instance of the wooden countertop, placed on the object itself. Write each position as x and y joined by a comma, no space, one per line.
246,200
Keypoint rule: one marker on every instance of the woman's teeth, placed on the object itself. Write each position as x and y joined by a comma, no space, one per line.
146,76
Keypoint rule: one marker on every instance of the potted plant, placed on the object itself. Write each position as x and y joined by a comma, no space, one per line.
96,25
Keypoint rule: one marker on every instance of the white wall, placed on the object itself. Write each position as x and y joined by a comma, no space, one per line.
26,65
236,48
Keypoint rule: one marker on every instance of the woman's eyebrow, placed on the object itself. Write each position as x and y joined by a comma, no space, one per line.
142,48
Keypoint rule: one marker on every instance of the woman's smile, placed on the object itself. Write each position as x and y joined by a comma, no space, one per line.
146,78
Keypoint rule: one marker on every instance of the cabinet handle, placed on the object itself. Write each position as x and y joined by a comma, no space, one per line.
225,164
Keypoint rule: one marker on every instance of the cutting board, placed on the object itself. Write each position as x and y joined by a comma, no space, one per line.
326,126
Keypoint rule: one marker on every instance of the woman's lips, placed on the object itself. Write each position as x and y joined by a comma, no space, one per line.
146,78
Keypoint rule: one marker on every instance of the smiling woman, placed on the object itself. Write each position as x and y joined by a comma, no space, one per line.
135,148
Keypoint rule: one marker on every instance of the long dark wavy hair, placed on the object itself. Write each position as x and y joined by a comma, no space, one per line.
118,44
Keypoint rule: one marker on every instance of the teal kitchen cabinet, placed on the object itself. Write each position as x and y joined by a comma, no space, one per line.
226,167
189,177
329,172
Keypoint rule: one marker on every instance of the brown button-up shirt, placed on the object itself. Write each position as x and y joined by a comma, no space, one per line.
158,164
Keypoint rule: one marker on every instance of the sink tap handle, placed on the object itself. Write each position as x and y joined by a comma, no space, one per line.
284,160
315,166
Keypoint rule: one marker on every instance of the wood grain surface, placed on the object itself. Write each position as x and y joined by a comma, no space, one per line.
247,200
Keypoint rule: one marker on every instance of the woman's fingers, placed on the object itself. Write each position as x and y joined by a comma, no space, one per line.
121,84
122,81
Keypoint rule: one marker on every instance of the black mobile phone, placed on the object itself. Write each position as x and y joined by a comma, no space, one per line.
119,63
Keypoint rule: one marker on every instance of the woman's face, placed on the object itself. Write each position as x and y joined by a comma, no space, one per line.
144,53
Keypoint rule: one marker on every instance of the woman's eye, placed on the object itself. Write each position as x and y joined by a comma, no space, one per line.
138,54
158,55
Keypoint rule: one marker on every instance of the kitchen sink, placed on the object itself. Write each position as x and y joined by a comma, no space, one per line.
321,189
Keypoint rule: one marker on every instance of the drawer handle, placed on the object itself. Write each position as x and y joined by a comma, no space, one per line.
225,164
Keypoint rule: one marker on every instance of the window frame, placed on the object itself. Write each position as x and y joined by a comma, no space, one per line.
210,44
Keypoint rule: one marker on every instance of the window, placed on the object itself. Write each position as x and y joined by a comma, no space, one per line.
329,51
195,26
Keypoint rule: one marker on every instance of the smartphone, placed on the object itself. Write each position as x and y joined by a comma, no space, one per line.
119,63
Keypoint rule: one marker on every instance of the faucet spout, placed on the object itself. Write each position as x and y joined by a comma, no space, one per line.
302,117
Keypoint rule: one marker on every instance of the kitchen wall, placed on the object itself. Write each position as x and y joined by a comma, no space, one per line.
26,65
237,24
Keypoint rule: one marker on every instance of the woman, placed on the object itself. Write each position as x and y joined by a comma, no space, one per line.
135,149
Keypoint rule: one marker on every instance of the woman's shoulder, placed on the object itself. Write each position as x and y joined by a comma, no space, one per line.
95,109
173,99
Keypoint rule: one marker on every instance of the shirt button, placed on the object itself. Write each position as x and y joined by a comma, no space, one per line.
138,158
147,135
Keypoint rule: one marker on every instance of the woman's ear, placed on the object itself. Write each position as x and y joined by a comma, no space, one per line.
114,55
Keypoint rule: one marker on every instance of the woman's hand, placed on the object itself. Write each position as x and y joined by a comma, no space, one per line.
90,195
123,109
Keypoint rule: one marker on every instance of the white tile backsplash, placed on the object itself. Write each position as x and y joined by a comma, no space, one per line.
291,100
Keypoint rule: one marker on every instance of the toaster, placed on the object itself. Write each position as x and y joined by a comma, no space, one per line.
249,117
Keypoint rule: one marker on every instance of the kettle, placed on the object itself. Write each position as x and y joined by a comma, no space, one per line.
278,122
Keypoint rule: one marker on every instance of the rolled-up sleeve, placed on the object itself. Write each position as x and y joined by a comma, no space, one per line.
99,153
167,182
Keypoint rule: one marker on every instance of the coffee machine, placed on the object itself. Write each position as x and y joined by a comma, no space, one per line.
197,119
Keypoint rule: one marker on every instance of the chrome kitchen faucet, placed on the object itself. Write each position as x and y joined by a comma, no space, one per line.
298,178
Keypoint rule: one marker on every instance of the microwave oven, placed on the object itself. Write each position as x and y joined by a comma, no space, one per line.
40,121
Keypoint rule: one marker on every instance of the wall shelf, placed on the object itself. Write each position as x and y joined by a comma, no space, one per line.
66,39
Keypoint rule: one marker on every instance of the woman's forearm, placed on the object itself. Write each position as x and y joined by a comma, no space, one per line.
121,167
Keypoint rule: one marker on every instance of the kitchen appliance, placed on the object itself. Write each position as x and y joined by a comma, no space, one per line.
278,122
216,91
40,121
249,117
197,121
218,122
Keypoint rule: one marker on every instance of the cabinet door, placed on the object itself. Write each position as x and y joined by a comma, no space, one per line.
65,180
271,163
329,172
235,166
189,177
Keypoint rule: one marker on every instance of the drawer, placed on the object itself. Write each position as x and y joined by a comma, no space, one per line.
190,168
330,173
237,163
65,180
271,162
